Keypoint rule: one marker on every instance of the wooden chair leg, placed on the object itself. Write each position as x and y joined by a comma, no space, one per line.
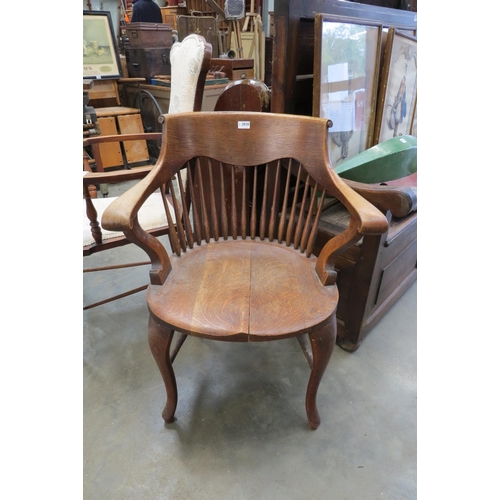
160,339
176,347
322,343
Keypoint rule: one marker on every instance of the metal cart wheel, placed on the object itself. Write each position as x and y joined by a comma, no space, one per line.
150,112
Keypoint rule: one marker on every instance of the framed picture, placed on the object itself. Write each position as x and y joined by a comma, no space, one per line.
347,56
100,52
397,101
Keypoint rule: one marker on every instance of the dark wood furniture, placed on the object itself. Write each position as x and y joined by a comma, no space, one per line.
242,268
293,45
375,272
244,95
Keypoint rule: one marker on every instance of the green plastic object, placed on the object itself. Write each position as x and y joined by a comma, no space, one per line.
387,161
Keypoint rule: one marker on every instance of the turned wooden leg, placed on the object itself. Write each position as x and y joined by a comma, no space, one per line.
160,339
322,343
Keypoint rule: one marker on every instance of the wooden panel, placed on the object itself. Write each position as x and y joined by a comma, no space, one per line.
170,13
135,151
104,89
397,270
110,153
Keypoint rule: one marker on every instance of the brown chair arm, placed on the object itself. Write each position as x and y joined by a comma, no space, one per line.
101,139
365,219
400,200
369,219
121,215
112,177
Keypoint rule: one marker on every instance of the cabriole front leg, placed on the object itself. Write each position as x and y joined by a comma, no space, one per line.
160,339
322,343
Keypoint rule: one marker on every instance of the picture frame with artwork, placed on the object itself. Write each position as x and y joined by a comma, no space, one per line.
347,56
100,51
397,102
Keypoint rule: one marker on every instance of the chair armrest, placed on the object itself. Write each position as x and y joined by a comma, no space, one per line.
400,200
121,215
365,219
115,176
137,79
101,139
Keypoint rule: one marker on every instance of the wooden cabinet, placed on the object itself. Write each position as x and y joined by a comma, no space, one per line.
373,274
169,15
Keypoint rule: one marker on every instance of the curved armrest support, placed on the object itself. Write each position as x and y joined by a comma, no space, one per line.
121,215
365,219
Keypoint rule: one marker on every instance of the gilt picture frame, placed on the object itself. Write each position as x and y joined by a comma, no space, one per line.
397,103
100,51
347,56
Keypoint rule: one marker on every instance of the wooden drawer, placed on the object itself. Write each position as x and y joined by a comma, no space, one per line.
398,238
241,74
394,274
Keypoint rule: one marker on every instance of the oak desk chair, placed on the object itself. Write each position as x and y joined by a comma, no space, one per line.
241,267
190,62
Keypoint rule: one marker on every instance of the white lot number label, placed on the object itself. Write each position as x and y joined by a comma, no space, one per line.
243,124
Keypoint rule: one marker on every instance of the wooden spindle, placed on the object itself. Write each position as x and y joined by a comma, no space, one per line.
213,208
244,207
194,201
203,203
253,216
274,206
95,229
234,217
263,212
284,208
291,221
185,210
300,222
223,208
310,212
314,231
172,233
178,215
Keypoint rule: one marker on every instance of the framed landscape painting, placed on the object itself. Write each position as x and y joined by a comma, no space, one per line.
100,52
347,56
397,104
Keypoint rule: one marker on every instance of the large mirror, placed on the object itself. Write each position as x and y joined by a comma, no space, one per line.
346,73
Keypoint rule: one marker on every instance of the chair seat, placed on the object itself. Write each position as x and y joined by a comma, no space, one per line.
151,216
281,295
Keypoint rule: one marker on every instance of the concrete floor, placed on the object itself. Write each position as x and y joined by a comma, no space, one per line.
241,430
